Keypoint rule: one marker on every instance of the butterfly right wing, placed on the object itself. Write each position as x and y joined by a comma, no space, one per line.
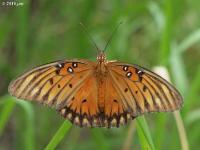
143,90
116,109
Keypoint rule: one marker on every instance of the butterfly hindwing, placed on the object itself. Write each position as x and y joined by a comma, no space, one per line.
117,111
82,109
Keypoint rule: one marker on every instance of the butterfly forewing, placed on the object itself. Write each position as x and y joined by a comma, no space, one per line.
51,84
147,91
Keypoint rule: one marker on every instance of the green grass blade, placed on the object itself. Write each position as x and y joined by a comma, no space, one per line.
190,40
178,69
180,80
22,31
181,130
167,32
57,138
29,140
193,92
144,134
6,111
157,14
163,17
192,117
9,103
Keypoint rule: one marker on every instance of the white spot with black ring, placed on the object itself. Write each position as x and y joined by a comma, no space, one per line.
70,70
139,72
74,65
125,68
129,74
59,65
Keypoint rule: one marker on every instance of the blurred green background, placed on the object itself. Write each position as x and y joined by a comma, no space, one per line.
153,33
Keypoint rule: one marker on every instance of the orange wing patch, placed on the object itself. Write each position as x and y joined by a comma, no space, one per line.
82,108
115,111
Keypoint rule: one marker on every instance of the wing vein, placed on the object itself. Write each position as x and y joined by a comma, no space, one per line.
117,88
23,79
28,91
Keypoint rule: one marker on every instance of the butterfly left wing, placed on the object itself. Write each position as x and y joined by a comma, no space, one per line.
51,84
68,86
143,90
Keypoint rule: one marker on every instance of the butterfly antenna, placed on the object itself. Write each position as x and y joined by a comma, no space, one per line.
114,31
90,37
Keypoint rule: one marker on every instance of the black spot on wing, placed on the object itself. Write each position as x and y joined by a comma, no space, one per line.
115,101
51,81
126,90
84,100
70,85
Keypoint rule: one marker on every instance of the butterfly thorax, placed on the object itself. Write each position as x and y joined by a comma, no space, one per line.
101,64
101,57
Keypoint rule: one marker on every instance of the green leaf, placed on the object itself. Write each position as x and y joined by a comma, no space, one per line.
57,138
29,139
144,134
6,111
190,40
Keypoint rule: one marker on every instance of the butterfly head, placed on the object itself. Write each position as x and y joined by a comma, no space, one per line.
101,57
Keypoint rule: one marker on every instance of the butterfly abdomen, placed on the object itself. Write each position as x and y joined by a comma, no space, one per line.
101,93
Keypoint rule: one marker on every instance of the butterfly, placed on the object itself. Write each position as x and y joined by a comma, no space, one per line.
97,94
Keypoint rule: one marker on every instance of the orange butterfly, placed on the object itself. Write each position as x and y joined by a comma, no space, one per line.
97,94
